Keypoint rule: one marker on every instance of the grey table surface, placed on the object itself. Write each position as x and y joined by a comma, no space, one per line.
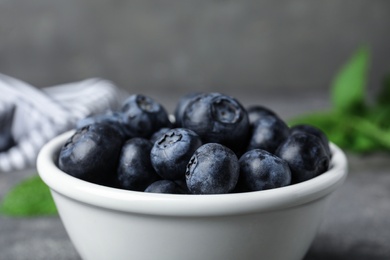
356,224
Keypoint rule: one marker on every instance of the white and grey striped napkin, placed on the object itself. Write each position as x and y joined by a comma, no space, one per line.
41,114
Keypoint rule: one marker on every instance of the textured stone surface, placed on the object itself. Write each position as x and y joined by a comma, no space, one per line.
356,224
35,238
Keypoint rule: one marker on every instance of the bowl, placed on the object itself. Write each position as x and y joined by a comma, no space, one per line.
109,223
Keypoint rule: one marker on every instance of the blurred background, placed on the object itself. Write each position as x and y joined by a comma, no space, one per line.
167,48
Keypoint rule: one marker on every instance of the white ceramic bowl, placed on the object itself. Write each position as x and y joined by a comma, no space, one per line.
108,223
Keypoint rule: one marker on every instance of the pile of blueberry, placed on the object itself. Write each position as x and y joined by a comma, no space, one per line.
214,146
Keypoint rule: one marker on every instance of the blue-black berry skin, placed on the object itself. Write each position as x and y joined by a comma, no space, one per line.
114,118
267,133
217,118
199,155
181,106
143,116
158,134
92,154
135,170
165,186
171,153
257,111
213,169
304,128
305,155
261,170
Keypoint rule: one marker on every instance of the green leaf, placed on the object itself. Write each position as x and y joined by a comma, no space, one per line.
31,197
380,113
348,87
319,119
331,123
351,124
363,144
380,116
353,133
384,95
363,126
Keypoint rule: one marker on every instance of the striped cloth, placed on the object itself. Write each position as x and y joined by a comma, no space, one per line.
41,114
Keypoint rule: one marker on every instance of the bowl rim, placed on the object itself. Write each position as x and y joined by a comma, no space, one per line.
96,195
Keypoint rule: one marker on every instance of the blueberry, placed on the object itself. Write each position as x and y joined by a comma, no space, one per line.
92,153
314,131
255,112
267,133
6,118
165,186
305,155
261,170
213,169
181,106
171,153
143,116
135,171
158,134
217,118
114,118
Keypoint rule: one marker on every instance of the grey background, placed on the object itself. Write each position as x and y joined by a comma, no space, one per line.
171,47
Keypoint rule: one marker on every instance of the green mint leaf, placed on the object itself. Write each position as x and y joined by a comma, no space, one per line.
353,133
348,87
363,144
31,197
380,112
361,125
351,124
331,123
380,115
327,121
384,95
